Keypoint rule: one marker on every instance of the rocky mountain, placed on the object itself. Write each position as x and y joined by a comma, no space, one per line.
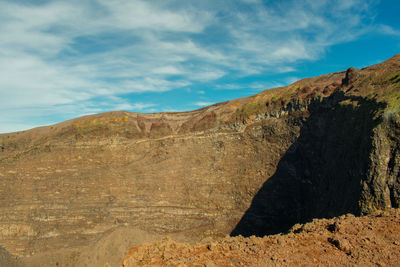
319,148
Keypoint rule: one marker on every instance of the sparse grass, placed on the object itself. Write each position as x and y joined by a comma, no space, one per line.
392,95
96,124
274,99
394,78
248,109
384,85
89,128
394,100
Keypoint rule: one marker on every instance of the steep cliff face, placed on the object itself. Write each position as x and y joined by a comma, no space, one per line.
320,147
343,161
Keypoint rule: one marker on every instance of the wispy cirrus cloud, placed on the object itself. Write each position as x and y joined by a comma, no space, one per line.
254,86
386,29
63,57
203,103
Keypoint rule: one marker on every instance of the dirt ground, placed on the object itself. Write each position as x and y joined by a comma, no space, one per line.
373,240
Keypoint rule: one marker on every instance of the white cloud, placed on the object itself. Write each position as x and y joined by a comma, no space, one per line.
234,86
207,75
203,103
254,86
151,85
132,107
152,15
386,29
292,52
285,69
168,70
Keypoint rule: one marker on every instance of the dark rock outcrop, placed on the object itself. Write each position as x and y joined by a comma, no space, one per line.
350,77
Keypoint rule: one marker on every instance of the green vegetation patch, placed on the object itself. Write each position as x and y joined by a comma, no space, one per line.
393,99
394,78
89,126
101,124
250,108
274,99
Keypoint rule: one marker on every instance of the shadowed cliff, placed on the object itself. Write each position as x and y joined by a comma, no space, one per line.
323,172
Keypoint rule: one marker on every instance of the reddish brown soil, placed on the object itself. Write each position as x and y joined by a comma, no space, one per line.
344,241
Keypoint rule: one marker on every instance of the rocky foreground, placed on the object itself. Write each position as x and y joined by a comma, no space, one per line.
347,240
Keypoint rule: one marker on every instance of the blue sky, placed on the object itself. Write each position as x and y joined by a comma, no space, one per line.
64,59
